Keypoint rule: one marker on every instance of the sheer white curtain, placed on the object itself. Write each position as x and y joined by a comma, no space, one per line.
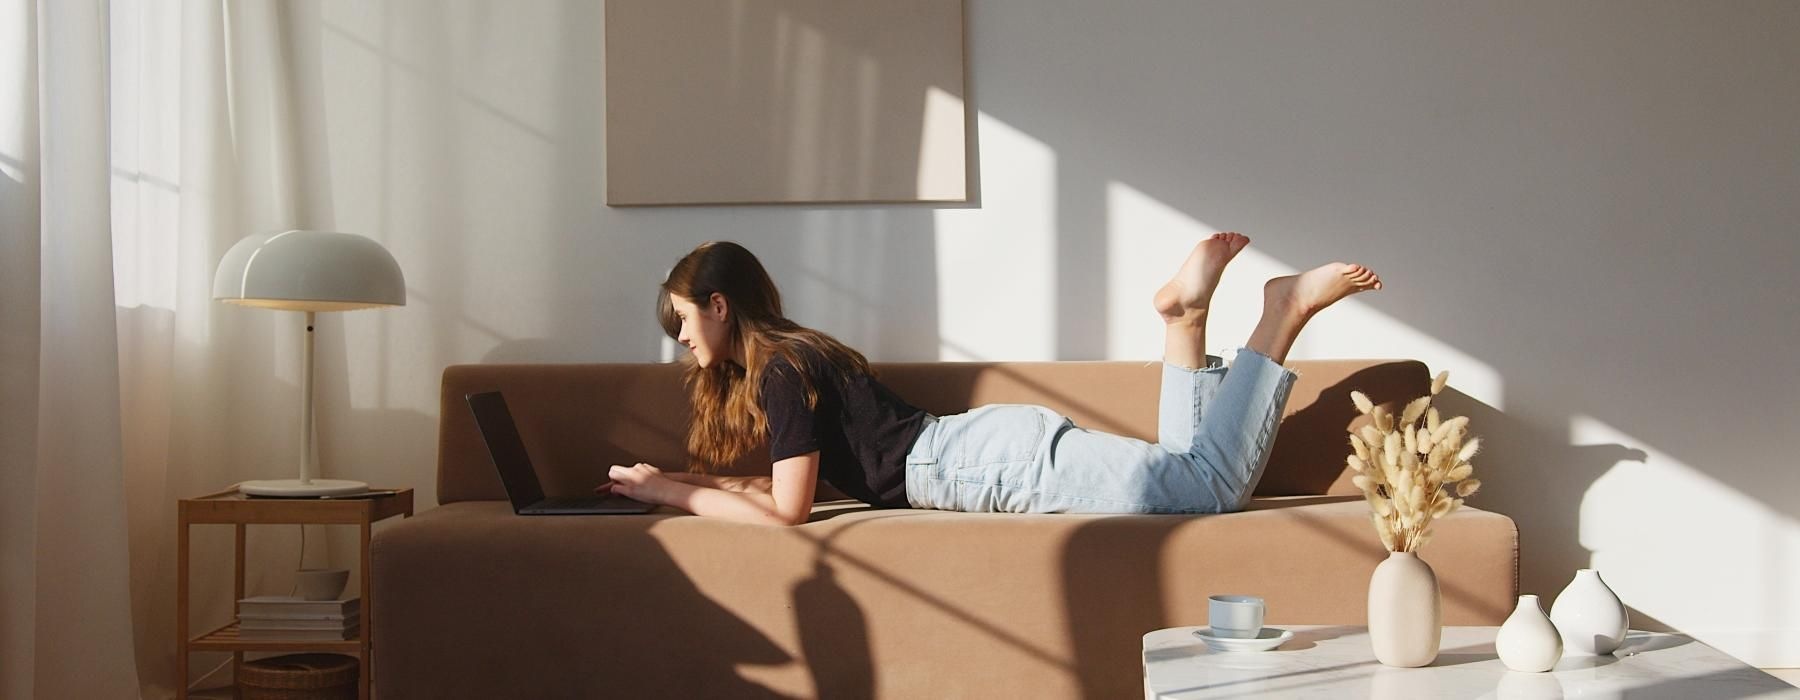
63,538
138,140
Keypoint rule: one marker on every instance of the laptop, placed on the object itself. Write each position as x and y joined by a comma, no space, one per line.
520,480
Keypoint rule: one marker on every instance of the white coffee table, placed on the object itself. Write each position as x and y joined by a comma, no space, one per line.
1337,662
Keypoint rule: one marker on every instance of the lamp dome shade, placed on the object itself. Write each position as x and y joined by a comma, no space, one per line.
309,271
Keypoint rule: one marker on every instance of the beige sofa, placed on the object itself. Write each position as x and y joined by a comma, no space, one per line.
473,601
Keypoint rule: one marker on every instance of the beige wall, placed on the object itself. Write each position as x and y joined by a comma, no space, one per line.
1584,210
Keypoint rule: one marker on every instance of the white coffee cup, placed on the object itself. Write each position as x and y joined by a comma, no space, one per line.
321,584
1235,616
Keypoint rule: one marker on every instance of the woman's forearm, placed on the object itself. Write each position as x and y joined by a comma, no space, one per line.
740,506
733,484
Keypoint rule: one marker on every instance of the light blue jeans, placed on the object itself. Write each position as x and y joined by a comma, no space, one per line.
1215,428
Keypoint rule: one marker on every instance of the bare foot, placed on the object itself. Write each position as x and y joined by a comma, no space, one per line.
1190,292
1305,294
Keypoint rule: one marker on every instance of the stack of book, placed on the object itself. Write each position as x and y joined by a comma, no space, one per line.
288,618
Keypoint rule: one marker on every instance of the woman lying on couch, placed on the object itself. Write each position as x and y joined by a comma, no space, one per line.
754,375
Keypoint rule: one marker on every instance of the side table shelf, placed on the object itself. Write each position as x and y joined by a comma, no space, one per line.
226,639
233,508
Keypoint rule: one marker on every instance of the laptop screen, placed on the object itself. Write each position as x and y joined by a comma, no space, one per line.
506,449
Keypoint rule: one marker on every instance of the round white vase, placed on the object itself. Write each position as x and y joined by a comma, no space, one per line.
1528,641
1405,613
1591,618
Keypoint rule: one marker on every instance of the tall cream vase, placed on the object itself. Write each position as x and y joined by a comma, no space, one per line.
1405,612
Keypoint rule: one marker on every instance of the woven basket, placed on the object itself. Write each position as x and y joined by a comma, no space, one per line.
299,677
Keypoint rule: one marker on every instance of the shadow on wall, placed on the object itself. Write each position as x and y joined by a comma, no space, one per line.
1533,471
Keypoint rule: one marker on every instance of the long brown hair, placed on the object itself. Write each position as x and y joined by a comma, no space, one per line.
728,417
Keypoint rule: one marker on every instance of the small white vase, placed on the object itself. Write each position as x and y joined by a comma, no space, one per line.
1528,641
1592,620
1404,611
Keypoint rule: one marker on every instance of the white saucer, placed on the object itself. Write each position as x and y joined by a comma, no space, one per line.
1267,638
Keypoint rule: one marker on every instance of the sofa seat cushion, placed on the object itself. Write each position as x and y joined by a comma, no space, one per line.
899,603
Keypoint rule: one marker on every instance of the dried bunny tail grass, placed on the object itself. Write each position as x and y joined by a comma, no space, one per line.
1447,427
1411,466
1403,482
1468,450
1414,410
1385,531
1440,456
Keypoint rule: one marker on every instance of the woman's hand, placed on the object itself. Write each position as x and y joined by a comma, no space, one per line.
641,482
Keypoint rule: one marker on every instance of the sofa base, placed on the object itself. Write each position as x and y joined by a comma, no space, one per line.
477,602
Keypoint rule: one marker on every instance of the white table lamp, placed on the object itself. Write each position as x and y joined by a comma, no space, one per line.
309,271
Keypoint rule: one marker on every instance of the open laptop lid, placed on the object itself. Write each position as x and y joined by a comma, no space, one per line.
506,448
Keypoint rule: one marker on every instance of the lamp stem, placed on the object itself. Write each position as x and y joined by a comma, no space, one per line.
307,468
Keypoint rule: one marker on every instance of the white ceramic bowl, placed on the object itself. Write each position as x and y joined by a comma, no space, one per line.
321,584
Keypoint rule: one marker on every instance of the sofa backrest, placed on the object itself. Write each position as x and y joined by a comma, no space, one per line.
578,419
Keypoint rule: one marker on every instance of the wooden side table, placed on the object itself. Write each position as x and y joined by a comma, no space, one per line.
233,508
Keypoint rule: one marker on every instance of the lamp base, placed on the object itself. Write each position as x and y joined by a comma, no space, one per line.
294,488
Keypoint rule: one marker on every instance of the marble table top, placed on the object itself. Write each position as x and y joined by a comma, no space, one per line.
1337,662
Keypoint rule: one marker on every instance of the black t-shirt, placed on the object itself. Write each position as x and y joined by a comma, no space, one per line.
861,429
